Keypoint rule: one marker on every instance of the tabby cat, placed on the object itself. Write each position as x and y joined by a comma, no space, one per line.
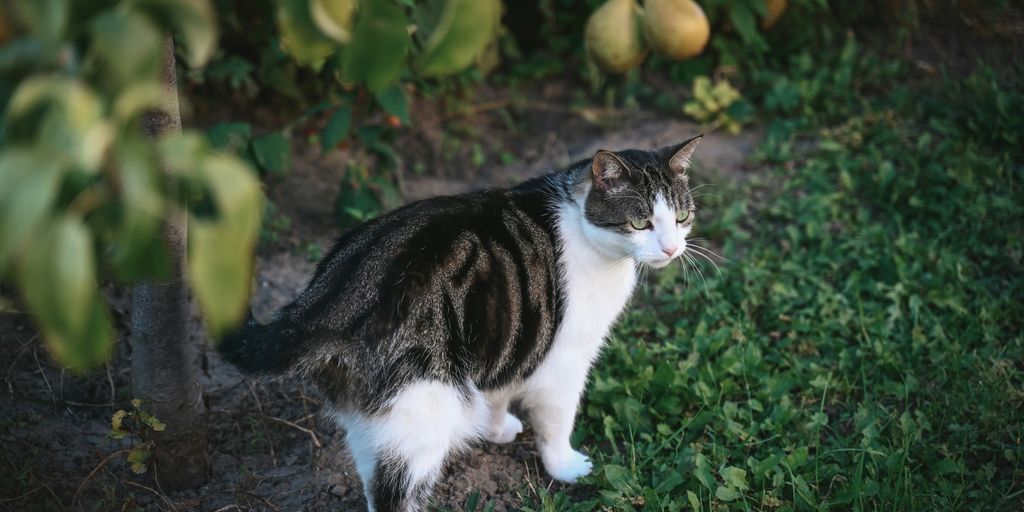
422,326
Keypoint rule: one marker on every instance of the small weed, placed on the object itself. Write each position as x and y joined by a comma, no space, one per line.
719,104
274,224
134,424
314,252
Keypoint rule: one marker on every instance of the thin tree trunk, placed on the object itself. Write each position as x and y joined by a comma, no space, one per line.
164,366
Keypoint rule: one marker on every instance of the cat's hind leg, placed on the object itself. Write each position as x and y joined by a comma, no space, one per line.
503,427
400,452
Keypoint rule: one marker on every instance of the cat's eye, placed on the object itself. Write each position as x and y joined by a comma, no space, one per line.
640,224
682,216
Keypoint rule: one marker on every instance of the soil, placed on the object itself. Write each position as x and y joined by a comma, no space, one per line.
269,447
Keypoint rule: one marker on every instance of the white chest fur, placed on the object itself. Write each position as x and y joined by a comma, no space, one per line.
597,286
597,289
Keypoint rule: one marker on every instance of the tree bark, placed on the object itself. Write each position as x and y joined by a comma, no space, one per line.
164,363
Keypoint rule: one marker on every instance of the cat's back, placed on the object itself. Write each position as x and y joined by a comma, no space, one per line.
476,272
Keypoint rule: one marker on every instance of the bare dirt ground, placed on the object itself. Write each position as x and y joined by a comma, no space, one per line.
269,447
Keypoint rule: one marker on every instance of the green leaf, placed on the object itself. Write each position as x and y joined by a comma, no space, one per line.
72,125
28,187
278,71
191,21
702,473
337,128
745,23
221,250
155,424
138,457
138,249
299,34
472,501
59,274
273,152
230,137
137,99
670,482
379,44
180,155
618,477
356,201
57,279
465,29
394,102
726,493
128,46
694,501
734,477
45,19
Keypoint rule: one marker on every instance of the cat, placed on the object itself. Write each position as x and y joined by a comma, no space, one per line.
423,325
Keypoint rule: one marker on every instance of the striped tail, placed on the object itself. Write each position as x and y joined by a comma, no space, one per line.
263,349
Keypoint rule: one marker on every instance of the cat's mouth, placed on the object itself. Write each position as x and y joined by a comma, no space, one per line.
658,263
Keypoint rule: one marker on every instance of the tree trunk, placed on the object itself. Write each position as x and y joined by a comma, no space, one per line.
164,363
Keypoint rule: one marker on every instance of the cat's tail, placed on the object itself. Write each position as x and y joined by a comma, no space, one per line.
263,349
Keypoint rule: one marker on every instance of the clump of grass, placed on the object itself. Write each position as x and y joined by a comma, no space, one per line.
864,349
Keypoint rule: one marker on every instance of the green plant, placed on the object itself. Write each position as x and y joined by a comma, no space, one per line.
719,104
274,224
269,153
76,170
314,252
83,193
135,424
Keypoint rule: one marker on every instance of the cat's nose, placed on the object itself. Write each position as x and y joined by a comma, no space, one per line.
669,250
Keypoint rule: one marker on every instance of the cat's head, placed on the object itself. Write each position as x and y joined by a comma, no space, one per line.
638,203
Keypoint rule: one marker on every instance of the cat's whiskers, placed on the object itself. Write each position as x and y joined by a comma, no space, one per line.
697,252
700,274
709,251
704,251
686,272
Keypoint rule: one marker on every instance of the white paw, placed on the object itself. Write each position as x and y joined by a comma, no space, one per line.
507,431
568,466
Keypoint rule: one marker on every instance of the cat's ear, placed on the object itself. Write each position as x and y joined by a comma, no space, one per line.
607,167
679,156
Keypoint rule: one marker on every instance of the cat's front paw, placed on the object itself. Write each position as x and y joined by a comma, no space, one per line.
506,431
567,466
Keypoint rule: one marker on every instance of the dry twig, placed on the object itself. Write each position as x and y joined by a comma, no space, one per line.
312,434
162,496
92,473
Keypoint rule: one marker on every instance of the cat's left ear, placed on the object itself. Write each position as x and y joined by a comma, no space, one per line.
679,156
606,169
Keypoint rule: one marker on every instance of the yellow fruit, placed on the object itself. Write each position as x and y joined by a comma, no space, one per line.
775,9
613,37
676,28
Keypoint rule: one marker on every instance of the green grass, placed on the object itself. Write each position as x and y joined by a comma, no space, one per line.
863,349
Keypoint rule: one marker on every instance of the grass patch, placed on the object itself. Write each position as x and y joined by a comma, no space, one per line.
863,350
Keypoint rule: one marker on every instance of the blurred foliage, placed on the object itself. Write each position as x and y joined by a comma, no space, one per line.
719,104
84,195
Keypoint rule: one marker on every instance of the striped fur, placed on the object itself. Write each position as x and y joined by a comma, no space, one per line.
422,325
